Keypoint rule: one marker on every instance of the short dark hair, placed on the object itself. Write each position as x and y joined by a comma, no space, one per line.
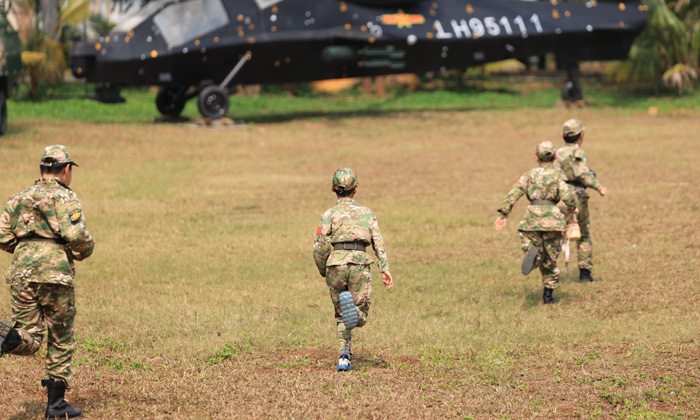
572,139
549,158
343,193
49,166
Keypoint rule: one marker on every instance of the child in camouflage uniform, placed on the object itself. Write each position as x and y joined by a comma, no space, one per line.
44,228
573,162
340,245
543,224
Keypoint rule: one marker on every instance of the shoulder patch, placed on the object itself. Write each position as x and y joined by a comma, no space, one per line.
318,231
75,215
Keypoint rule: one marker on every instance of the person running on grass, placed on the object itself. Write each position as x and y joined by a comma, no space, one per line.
342,237
44,228
542,226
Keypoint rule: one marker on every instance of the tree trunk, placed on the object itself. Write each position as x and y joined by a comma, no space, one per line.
34,83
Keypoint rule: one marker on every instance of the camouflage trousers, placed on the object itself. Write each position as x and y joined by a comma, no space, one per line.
549,244
357,280
585,244
34,304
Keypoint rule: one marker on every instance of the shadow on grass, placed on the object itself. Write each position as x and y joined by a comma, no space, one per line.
533,297
383,107
32,410
337,115
370,361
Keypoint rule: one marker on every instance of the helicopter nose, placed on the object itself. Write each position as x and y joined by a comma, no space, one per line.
80,67
82,60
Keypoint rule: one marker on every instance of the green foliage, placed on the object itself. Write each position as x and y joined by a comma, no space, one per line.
229,351
119,365
44,58
668,49
139,366
99,24
226,352
100,345
609,397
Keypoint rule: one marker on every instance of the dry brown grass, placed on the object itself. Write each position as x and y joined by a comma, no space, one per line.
202,301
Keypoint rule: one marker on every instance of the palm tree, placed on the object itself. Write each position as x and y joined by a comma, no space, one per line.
667,51
100,24
42,55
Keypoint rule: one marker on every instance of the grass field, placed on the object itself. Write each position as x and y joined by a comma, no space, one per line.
202,299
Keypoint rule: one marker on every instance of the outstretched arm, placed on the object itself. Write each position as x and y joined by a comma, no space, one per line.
584,175
513,196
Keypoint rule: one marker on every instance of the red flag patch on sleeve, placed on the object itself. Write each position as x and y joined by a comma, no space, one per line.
74,216
318,231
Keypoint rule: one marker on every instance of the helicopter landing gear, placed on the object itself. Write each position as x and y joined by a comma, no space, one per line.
212,99
212,102
572,93
171,100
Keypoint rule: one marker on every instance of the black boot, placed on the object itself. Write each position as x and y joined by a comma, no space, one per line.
58,407
547,297
530,260
585,276
9,337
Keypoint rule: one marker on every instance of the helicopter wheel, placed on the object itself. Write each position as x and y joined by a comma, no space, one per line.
170,100
213,102
571,92
3,113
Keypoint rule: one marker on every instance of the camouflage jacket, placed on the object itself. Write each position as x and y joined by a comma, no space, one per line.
348,221
573,161
48,209
543,183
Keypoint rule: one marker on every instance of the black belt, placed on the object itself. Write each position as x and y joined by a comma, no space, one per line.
350,246
575,183
57,241
542,203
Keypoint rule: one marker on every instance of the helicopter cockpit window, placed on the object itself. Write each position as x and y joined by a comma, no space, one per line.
137,16
264,4
184,21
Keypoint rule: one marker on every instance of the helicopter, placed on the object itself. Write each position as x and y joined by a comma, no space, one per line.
208,49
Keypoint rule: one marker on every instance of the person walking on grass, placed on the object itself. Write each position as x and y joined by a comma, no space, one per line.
340,245
573,162
542,226
44,228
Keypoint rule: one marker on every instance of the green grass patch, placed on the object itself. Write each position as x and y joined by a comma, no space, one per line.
70,102
202,299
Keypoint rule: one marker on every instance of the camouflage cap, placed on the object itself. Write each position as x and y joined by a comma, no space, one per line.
572,128
344,179
545,150
55,155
